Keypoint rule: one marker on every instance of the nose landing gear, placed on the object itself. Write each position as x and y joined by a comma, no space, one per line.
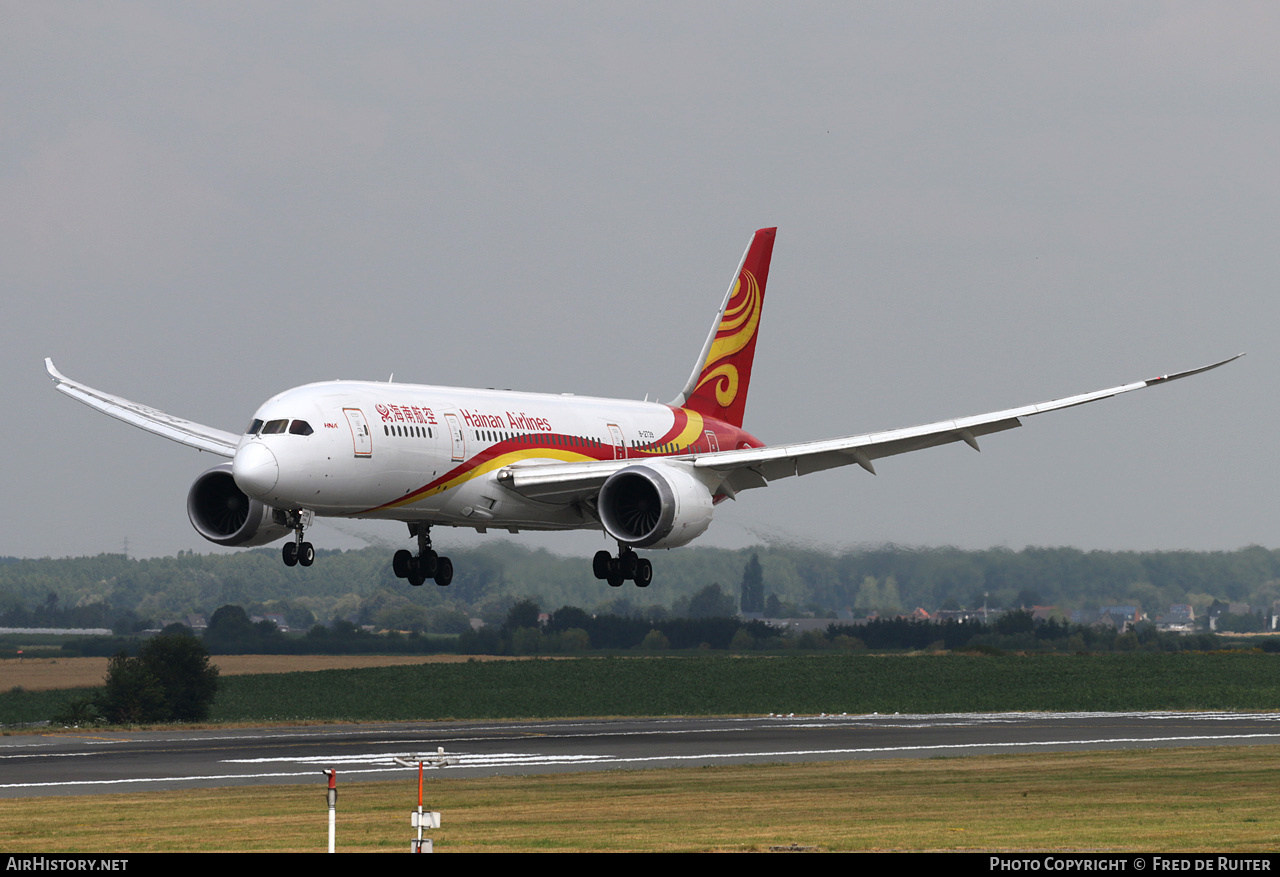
298,551
426,565
616,570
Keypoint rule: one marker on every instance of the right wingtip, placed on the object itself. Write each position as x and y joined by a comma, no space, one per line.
53,372
1195,371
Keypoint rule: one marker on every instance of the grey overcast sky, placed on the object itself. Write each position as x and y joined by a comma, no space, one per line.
979,205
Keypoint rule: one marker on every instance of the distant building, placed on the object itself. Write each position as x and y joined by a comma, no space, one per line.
958,615
1119,618
1217,609
1178,618
799,625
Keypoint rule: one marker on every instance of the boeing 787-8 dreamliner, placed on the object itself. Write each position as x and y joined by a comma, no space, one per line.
648,474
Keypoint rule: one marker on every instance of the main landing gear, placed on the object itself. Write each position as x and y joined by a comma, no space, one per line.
616,570
426,564
298,551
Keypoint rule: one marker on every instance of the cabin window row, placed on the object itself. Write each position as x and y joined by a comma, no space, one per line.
536,438
407,431
668,448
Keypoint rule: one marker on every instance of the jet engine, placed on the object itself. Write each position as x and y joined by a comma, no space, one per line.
660,505
221,513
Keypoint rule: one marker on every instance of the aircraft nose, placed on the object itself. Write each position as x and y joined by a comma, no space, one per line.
255,469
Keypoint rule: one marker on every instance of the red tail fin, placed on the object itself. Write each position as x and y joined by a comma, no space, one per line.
718,386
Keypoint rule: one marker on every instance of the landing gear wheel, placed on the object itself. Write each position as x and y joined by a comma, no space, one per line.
426,564
400,563
298,551
627,562
600,564
430,563
616,570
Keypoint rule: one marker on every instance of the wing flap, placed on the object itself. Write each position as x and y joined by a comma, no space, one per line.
185,432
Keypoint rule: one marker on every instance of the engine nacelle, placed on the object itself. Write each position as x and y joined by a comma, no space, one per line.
659,505
221,513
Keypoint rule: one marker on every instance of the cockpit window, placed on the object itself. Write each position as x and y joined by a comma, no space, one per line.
300,427
275,427
254,427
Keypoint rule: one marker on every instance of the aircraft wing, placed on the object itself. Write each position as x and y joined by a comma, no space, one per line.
194,435
730,471
563,482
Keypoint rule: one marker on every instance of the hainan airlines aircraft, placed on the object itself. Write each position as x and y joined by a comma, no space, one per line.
648,474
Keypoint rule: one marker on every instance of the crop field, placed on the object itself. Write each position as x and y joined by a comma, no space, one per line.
44,674
758,685
723,685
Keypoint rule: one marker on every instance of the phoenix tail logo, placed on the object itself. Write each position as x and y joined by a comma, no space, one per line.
737,330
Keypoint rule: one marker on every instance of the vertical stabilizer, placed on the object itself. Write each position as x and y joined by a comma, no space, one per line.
718,386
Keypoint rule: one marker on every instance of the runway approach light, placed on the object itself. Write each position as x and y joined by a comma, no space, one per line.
420,819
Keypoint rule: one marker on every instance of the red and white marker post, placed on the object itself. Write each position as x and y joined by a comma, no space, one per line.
333,805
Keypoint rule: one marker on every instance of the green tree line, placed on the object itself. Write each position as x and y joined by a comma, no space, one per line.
359,586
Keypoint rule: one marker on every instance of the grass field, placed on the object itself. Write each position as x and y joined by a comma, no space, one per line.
1184,800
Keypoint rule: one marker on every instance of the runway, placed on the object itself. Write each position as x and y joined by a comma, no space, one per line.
104,762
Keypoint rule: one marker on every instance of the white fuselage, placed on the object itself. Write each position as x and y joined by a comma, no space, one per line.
423,453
